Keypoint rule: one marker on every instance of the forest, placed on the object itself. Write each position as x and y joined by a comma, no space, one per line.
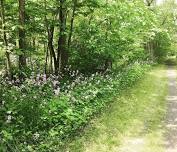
63,63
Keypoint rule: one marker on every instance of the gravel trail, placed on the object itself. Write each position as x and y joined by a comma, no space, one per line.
171,121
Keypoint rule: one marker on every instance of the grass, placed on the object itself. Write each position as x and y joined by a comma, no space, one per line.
132,123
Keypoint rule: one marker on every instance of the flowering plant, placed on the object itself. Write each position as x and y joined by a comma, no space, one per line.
43,107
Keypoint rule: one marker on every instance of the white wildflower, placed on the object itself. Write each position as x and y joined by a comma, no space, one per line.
55,83
24,95
57,91
86,97
73,99
9,118
3,102
9,112
36,136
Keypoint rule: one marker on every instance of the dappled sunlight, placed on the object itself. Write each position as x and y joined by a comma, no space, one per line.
172,84
172,98
133,145
172,149
154,95
171,126
158,73
171,146
173,109
171,73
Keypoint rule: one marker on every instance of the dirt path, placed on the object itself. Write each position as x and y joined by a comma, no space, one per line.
171,122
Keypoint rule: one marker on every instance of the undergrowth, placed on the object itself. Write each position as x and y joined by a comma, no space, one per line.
38,116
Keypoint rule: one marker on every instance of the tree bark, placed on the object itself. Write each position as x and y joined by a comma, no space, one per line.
22,42
62,52
46,50
107,21
50,34
72,22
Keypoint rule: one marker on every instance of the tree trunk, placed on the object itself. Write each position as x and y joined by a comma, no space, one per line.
22,42
50,43
46,50
72,22
62,56
107,21
50,32
50,35
34,42
51,63
8,61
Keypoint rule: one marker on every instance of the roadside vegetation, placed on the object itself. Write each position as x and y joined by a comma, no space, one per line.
49,121
133,122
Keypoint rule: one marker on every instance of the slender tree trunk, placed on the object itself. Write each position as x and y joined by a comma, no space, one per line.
62,52
107,21
34,42
51,63
50,35
72,22
50,32
8,61
46,57
22,42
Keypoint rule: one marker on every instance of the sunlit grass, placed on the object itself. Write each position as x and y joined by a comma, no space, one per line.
132,123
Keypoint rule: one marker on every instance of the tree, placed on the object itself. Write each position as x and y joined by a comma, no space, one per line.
74,2
62,58
22,41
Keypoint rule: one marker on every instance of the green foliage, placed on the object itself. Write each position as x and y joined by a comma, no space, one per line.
109,34
103,33
162,44
30,114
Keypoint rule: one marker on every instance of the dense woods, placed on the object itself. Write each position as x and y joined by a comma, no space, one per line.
88,35
62,61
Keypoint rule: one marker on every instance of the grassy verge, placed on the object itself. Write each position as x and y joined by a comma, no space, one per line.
133,123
